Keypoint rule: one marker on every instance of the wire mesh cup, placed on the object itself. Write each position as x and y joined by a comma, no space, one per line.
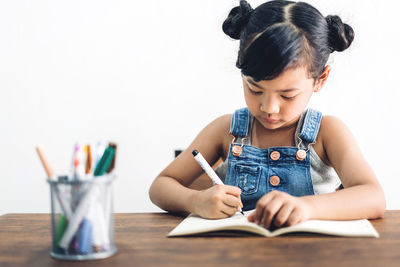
82,218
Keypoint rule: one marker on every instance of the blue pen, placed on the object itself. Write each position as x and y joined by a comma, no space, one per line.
85,237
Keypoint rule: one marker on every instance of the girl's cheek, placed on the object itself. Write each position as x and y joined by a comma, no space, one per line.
252,104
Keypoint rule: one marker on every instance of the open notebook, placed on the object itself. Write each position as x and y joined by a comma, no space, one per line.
193,224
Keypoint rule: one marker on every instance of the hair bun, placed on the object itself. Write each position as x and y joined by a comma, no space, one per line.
341,35
236,19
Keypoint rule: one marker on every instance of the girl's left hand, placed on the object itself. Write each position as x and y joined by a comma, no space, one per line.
281,209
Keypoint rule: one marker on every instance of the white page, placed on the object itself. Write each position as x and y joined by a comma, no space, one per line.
194,224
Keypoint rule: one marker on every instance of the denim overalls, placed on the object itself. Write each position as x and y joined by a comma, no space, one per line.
258,171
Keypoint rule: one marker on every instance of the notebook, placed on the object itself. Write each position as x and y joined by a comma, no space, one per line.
194,224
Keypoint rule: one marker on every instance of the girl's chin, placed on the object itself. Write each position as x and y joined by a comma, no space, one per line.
279,124
271,125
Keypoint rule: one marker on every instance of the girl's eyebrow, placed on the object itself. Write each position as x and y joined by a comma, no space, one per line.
253,83
284,90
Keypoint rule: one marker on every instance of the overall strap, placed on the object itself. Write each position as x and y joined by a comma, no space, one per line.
240,122
310,127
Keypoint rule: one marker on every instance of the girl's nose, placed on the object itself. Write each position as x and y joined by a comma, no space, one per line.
270,106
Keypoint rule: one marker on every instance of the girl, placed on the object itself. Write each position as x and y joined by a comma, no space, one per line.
279,158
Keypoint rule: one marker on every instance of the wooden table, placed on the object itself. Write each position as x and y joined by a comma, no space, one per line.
141,241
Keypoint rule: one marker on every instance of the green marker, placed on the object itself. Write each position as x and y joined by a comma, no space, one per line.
61,226
105,161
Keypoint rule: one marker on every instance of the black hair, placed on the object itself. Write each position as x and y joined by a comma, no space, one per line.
279,35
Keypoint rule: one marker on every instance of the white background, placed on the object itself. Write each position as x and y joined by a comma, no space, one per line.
150,75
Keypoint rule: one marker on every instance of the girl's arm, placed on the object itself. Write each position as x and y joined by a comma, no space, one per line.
170,189
362,196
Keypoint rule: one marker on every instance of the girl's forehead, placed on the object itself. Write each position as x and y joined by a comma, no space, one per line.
291,75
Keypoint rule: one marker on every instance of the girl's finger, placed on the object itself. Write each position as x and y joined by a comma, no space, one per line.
294,217
250,218
224,215
270,211
229,210
283,215
232,201
233,190
261,205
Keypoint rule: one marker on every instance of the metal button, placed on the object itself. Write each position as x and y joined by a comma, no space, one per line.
301,154
274,180
236,151
275,155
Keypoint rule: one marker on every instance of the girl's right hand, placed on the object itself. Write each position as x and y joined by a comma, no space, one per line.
216,202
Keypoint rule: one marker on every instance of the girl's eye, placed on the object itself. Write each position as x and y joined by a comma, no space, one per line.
255,92
288,98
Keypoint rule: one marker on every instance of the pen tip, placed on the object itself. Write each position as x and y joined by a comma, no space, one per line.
195,152
242,213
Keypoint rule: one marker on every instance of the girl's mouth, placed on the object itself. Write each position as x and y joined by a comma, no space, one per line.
270,120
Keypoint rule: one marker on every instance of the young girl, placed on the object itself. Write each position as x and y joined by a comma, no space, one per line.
279,158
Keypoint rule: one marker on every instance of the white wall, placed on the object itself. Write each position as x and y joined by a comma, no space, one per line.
150,75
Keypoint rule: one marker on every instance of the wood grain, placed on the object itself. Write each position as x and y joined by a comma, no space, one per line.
141,241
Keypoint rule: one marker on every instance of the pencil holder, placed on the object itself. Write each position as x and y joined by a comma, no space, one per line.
82,218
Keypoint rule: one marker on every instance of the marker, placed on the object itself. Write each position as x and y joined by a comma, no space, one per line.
61,226
207,168
89,159
79,164
105,161
112,164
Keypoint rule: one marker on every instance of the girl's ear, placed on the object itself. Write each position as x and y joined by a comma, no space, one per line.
322,78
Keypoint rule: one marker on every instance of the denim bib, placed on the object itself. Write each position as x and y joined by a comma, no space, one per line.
258,171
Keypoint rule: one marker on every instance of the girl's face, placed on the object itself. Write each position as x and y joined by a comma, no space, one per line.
278,103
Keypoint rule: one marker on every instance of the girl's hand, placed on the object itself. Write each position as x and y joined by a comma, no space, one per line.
281,209
219,201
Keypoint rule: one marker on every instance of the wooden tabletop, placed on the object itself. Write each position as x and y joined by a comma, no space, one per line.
141,241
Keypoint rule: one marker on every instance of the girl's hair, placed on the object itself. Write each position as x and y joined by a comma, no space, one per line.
278,35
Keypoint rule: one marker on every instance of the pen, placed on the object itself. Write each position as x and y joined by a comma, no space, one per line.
207,168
